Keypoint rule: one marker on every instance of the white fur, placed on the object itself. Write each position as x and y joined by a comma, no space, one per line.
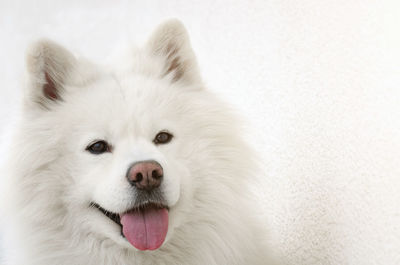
207,165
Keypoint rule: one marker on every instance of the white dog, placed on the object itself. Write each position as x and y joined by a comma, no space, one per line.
132,164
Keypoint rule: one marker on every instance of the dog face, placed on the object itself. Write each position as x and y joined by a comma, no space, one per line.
129,156
124,148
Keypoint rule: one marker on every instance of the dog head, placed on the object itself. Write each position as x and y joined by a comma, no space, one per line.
120,152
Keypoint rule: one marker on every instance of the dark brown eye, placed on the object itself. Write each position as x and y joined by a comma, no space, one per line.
98,147
163,138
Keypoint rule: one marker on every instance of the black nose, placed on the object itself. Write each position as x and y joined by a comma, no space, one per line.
145,175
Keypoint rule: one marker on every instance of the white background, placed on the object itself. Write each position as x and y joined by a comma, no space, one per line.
317,79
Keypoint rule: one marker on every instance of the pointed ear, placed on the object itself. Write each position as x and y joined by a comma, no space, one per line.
171,43
49,68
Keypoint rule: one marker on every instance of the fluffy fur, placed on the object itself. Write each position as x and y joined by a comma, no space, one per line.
52,179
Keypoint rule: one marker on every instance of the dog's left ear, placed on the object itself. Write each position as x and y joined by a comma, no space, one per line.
171,43
49,67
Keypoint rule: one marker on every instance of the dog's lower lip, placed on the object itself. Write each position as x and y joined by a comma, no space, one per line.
113,216
116,217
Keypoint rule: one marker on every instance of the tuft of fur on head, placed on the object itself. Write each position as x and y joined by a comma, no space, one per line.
52,180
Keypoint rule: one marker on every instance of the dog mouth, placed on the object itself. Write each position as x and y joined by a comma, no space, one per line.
113,216
144,226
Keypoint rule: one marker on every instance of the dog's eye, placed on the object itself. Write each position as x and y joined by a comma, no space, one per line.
98,147
162,138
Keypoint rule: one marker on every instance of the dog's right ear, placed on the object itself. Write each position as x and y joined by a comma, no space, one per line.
50,67
170,42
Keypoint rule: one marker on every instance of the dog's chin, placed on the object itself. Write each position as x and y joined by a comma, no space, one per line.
143,227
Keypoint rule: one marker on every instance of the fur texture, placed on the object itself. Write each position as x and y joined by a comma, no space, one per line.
52,179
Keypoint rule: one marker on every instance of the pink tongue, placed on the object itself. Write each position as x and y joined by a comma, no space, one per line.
145,229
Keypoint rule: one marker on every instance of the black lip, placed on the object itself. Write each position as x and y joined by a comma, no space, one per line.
113,216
